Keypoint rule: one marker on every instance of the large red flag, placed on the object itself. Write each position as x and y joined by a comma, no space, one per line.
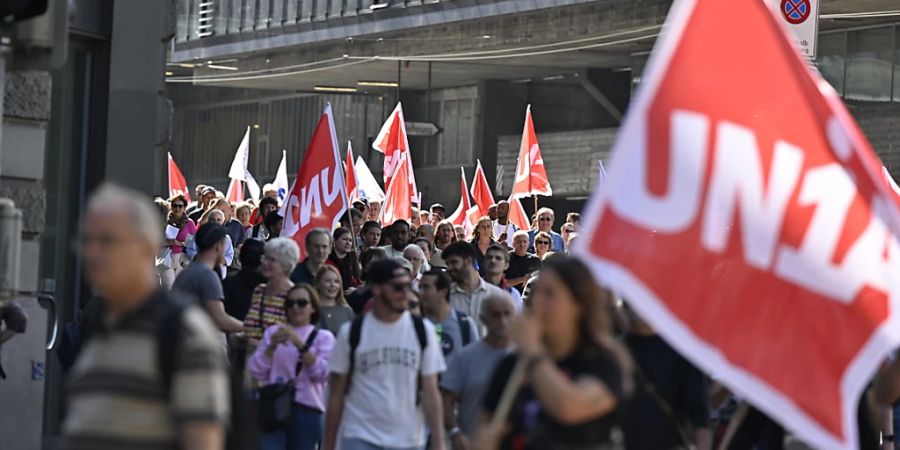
481,191
392,142
459,216
397,202
531,175
177,184
759,234
318,196
350,171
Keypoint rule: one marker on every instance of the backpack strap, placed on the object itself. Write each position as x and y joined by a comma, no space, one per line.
307,345
355,333
464,328
419,325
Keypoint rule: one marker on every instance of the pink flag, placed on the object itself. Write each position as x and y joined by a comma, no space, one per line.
235,192
517,214
459,216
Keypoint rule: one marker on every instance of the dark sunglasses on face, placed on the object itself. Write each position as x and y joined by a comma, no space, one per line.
177,206
542,243
302,303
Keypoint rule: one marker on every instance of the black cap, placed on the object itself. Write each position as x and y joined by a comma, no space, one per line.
209,235
385,270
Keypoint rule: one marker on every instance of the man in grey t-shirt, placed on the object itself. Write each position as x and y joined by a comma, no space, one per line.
468,376
456,330
202,284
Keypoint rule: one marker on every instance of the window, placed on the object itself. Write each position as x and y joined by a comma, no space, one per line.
870,65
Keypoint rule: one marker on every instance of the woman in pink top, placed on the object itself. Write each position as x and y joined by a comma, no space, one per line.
178,219
292,352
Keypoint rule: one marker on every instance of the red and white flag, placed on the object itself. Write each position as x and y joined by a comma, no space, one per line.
239,171
531,175
891,182
318,196
459,216
177,184
398,201
517,214
761,236
235,192
481,192
350,171
392,142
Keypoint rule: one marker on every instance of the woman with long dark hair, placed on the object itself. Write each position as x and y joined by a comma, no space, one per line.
482,239
576,374
344,258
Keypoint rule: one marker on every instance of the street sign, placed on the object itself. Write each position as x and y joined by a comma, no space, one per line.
421,129
802,17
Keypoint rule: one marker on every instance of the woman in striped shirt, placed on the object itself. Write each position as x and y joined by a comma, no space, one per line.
267,303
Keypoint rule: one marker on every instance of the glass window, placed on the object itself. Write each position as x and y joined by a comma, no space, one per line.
870,64
832,55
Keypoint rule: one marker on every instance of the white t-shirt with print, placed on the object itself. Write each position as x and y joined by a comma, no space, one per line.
380,407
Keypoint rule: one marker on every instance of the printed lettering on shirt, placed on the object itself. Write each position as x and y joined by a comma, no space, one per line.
372,359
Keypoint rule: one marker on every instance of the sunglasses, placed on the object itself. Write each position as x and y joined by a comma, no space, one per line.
177,206
541,242
302,303
400,286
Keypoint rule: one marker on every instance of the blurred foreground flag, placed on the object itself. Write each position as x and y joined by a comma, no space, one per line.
746,217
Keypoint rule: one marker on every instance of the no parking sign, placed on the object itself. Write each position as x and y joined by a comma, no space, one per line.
802,17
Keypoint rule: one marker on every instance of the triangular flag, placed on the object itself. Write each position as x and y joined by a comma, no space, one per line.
281,179
890,180
517,214
531,175
350,172
239,169
747,220
398,203
368,186
392,142
481,192
318,197
601,178
459,216
177,184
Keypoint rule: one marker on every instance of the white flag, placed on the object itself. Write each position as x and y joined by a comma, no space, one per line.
281,179
368,187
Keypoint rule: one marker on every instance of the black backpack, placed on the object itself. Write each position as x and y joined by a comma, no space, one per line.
356,334
464,329
168,340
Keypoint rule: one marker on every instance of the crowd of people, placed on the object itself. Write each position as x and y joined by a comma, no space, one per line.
412,336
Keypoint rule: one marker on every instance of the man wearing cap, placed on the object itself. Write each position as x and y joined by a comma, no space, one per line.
200,280
386,361
206,197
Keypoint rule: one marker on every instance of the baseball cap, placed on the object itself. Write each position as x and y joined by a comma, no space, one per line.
385,270
208,190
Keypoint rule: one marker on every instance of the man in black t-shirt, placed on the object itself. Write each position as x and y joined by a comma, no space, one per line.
522,265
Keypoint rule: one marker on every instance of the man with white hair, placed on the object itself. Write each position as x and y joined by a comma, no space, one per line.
545,218
469,373
414,254
175,384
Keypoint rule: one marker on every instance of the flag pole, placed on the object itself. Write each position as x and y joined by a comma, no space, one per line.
535,203
346,196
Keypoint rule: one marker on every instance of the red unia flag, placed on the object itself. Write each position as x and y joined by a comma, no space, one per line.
177,184
397,202
481,192
350,171
318,196
531,175
746,217
392,142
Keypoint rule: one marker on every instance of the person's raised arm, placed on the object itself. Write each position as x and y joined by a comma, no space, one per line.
226,323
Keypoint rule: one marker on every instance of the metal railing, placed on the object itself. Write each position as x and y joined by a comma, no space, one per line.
199,19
